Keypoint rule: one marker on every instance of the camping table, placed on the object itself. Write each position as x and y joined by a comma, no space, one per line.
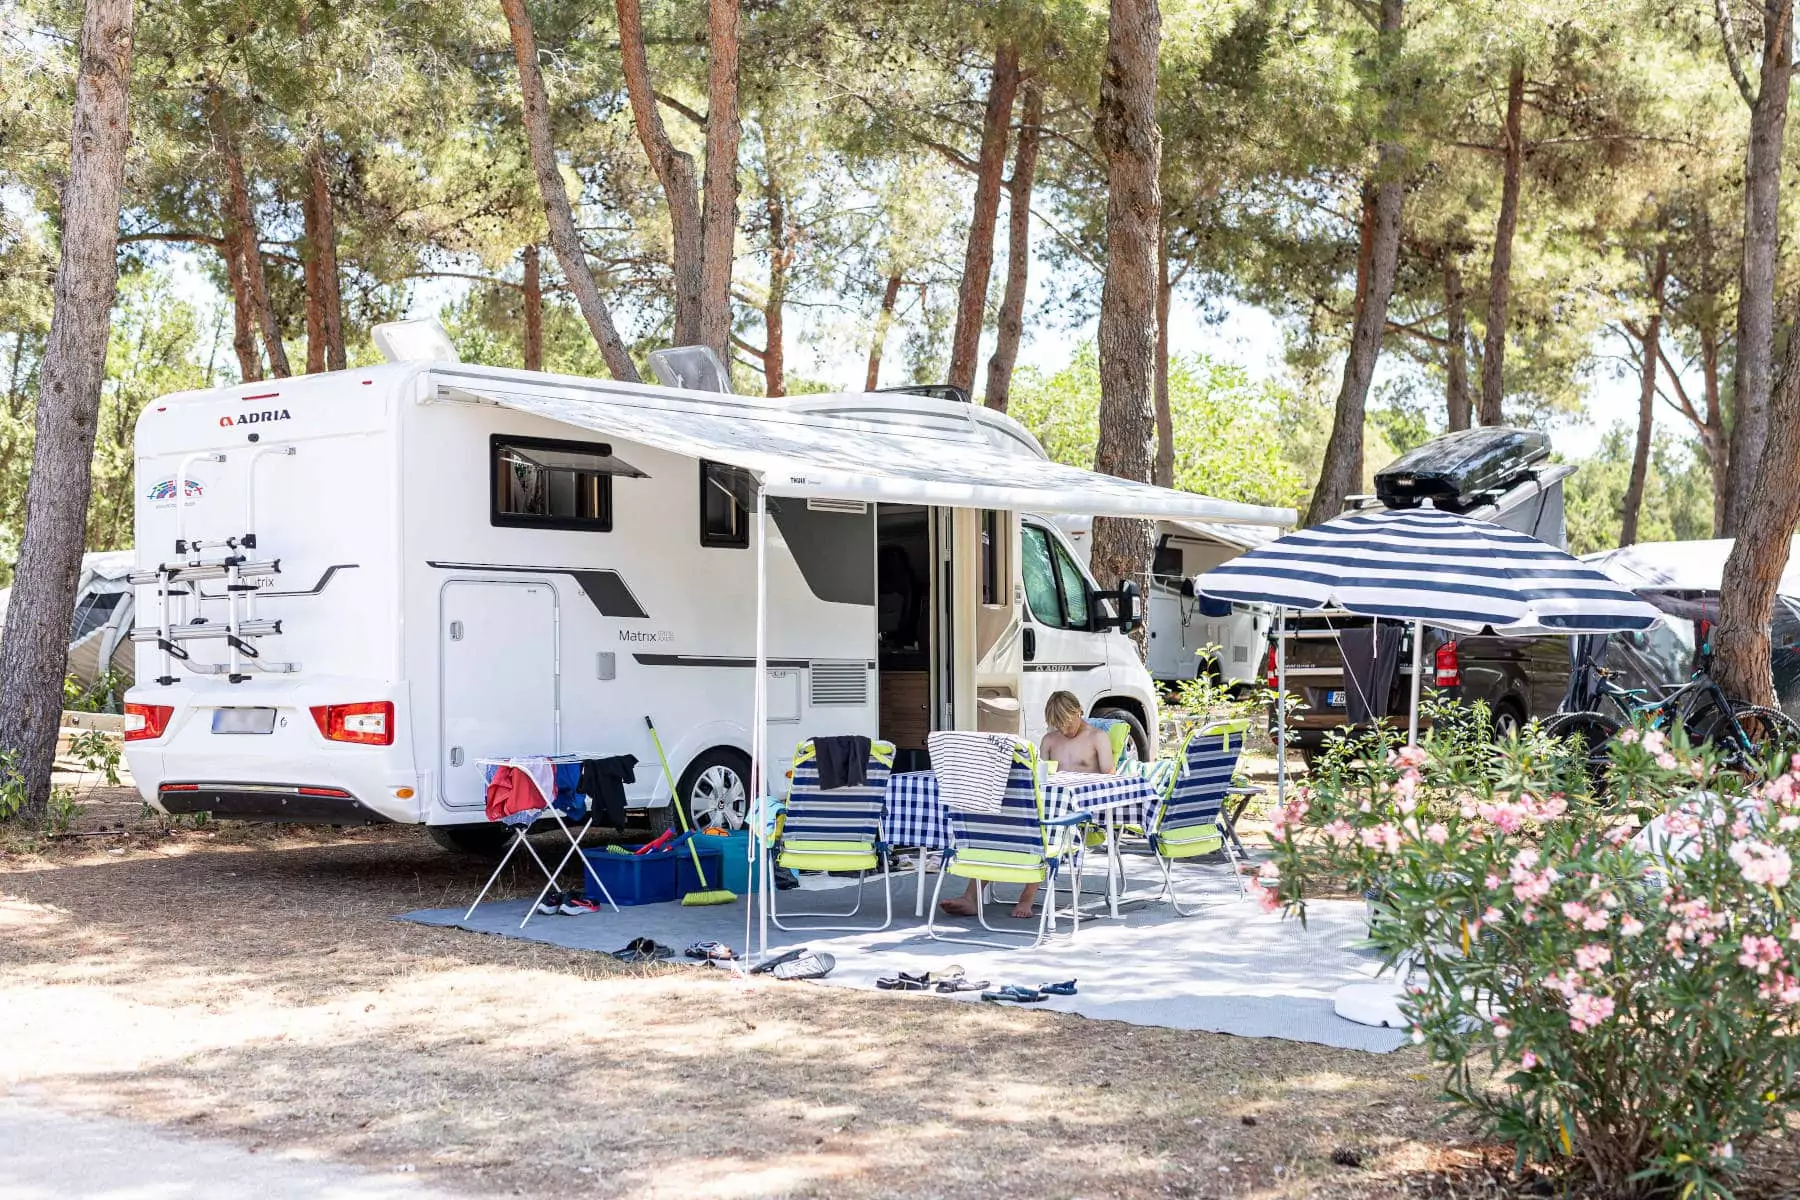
915,816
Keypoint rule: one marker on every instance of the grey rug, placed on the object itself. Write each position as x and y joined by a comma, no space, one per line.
1229,969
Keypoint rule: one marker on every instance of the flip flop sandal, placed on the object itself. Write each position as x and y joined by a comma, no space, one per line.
900,983
807,966
1018,995
770,963
640,949
1066,988
711,951
959,984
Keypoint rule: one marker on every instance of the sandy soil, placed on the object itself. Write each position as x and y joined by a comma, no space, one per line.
249,983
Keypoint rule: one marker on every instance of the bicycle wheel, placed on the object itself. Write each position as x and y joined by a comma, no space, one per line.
1593,733
1769,732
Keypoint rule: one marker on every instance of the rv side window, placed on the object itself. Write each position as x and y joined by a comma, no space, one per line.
553,484
724,519
1039,569
1168,562
991,557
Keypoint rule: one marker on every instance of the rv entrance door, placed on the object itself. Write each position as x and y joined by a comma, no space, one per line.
907,621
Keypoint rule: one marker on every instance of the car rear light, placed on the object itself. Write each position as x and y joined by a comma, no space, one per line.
146,721
368,723
1274,677
179,787
329,792
1449,667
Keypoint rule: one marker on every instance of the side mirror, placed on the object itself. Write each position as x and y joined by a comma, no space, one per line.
1130,601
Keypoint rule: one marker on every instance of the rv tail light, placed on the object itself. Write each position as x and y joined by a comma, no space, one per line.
179,787
146,721
1272,671
330,793
1449,667
369,723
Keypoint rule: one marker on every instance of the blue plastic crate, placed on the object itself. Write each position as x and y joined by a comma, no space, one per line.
633,878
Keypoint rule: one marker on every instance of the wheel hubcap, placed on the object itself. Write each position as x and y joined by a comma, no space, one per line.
720,799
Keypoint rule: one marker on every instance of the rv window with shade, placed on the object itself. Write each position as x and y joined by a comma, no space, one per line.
724,506
545,484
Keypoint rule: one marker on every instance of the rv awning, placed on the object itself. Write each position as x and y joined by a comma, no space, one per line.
840,455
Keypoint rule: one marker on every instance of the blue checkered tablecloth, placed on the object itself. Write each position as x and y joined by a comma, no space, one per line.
914,816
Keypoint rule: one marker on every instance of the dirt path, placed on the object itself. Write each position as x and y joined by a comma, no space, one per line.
251,985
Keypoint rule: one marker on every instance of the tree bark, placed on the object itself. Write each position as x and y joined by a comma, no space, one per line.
1712,433
1126,130
1760,552
325,248
718,218
781,260
1456,351
674,170
534,310
1018,251
243,327
1493,357
1163,470
35,646
1650,342
889,297
558,214
1762,235
311,278
237,197
978,258
1383,195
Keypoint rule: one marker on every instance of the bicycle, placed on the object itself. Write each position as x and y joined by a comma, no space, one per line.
1745,733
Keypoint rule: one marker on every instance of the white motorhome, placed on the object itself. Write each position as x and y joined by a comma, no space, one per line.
353,587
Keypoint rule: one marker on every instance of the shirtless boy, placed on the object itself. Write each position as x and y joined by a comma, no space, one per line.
1073,745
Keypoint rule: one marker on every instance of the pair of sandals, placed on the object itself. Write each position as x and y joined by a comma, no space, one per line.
942,982
1014,994
710,952
642,949
798,963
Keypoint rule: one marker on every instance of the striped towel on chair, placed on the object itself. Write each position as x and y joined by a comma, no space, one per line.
971,768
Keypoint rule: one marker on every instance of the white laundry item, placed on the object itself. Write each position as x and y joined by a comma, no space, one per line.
541,771
971,768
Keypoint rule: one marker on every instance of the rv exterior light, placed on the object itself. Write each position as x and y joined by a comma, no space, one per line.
146,721
367,723
423,340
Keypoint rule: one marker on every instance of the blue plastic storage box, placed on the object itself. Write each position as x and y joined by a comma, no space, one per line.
658,877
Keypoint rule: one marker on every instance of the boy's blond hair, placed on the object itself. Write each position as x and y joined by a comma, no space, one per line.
1061,708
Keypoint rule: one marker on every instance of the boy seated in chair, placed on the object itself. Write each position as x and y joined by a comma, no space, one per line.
1073,745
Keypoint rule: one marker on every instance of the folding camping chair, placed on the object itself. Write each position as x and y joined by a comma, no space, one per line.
836,830
566,805
1018,844
1189,822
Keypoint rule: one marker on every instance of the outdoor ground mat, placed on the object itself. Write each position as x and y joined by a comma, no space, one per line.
1229,969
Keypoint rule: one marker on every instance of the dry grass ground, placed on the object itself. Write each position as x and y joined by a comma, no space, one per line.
249,983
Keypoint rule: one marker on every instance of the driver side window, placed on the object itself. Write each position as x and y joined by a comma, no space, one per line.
1054,587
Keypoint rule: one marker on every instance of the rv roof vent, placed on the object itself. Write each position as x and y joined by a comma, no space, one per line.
695,368
423,340
1458,469
826,504
840,682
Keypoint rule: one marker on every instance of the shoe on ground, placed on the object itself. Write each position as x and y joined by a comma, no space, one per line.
574,906
551,903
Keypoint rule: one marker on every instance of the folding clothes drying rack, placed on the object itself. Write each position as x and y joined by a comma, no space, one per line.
522,822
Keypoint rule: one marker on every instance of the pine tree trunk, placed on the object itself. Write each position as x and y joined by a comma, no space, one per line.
243,326
1762,235
1760,552
312,279
781,260
1163,471
1649,347
674,170
1341,470
1456,349
890,296
1493,357
718,219
1126,130
35,645
331,294
1712,433
1018,251
560,217
237,196
534,309
978,258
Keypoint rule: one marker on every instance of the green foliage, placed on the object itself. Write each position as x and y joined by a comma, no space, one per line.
1227,425
1677,494
99,753
105,694
1620,1008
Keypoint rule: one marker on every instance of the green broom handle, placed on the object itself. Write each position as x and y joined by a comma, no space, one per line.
675,799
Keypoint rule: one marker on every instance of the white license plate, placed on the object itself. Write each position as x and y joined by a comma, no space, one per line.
1334,698
243,720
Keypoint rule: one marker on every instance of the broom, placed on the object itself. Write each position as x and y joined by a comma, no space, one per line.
703,896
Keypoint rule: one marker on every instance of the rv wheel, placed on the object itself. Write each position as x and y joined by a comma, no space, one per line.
716,787
480,839
1139,749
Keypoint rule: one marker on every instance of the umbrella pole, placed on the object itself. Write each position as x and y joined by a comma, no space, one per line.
1412,724
1280,705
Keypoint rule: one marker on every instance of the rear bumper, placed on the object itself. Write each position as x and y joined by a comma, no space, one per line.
295,802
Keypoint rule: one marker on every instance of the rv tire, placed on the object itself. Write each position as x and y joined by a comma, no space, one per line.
481,839
703,776
1140,740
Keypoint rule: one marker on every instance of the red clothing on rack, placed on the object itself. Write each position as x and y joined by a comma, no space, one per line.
512,791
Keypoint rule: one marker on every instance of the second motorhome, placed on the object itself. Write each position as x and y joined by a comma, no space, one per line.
354,588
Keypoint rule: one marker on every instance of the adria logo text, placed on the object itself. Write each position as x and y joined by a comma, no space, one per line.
254,418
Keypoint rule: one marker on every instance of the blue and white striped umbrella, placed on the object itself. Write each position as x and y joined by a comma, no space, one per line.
1426,565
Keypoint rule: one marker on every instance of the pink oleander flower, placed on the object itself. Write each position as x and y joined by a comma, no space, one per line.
1502,1030
1781,988
1628,737
1587,1010
1410,756
1491,882
1592,957
1762,863
1654,741
1339,832
1527,1061
1576,911
1666,761
1436,833
1760,953
1630,926
1268,899
1740,828
1491,916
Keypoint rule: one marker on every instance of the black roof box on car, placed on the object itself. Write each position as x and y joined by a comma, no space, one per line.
1458,470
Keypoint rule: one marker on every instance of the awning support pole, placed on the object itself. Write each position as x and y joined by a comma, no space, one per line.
1412,724
759,734
1281,706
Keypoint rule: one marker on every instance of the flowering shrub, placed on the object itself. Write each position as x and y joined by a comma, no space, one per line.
1628,976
